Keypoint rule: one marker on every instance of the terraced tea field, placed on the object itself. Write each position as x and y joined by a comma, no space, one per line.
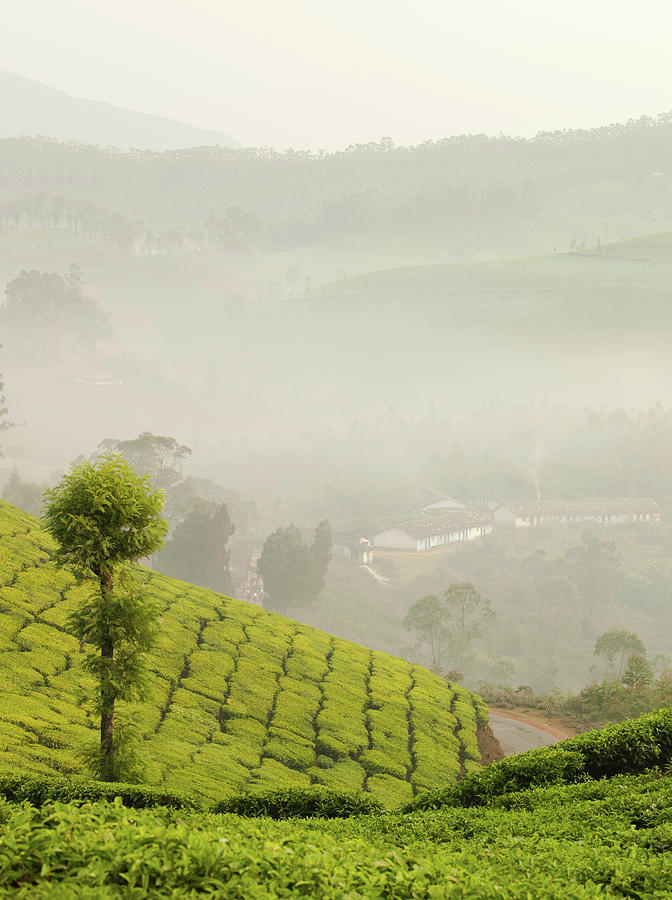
238,697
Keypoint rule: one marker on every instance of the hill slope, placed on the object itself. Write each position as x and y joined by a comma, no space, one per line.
31,109
573,292
238,696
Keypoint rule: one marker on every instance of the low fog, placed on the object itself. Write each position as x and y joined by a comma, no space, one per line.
369,337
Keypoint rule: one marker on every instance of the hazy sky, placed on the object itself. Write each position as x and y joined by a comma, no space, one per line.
327,73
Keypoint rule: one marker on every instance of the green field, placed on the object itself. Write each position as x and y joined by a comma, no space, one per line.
238,697
571,292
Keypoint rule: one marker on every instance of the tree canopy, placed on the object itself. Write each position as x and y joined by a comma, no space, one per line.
198,549
293,572
47,314
451,622
156,456
616,646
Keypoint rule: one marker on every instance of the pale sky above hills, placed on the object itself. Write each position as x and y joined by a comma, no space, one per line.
328,73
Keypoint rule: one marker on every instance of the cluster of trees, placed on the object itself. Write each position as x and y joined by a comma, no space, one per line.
294,572
553,589
198,511
504,451
593,452
74,215
235,230
449,624
27,495
46,316
632,684
372,211
197,549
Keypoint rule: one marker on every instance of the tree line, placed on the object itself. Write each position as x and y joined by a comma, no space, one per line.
177,188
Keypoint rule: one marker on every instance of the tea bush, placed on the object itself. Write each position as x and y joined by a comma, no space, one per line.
632,746
39,790
290,803
595,839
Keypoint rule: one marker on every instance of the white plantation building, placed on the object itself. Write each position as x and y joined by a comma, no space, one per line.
600,510
445,526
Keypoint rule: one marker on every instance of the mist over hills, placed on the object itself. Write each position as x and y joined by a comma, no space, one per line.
326,330
30,108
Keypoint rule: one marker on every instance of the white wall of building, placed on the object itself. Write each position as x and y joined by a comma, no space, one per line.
395,539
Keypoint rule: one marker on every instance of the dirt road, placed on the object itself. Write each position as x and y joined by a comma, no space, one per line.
516,735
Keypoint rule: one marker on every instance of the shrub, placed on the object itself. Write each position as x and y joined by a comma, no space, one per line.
390,791
295,754
328,745
313,802
628,747
376,762
346,775
37,789
516,773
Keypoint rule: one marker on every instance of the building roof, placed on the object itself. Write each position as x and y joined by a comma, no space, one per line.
446,503
443,523
585,506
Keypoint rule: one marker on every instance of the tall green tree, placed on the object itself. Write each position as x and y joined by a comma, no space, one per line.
294,572
428,618
156,456
452,622
616,646
198,548
638,672
321,553
48,314
104,517
469,618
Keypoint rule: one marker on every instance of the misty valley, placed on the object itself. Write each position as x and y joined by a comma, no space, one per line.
336,517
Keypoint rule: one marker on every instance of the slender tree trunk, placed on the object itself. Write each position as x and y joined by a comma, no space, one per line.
462,630
106,689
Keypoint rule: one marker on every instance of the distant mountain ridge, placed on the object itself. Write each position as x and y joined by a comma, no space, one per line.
29,108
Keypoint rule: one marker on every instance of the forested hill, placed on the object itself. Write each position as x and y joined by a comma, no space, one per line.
614,171
238,697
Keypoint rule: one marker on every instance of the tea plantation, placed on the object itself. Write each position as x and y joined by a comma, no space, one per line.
609,838
274,750
239,698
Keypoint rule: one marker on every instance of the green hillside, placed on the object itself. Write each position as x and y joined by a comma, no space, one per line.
621,285
239,697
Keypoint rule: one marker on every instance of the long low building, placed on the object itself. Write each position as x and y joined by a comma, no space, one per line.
600,510
449,527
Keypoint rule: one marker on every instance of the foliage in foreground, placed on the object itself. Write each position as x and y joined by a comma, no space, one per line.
606,838
627,748
37,790
314,802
